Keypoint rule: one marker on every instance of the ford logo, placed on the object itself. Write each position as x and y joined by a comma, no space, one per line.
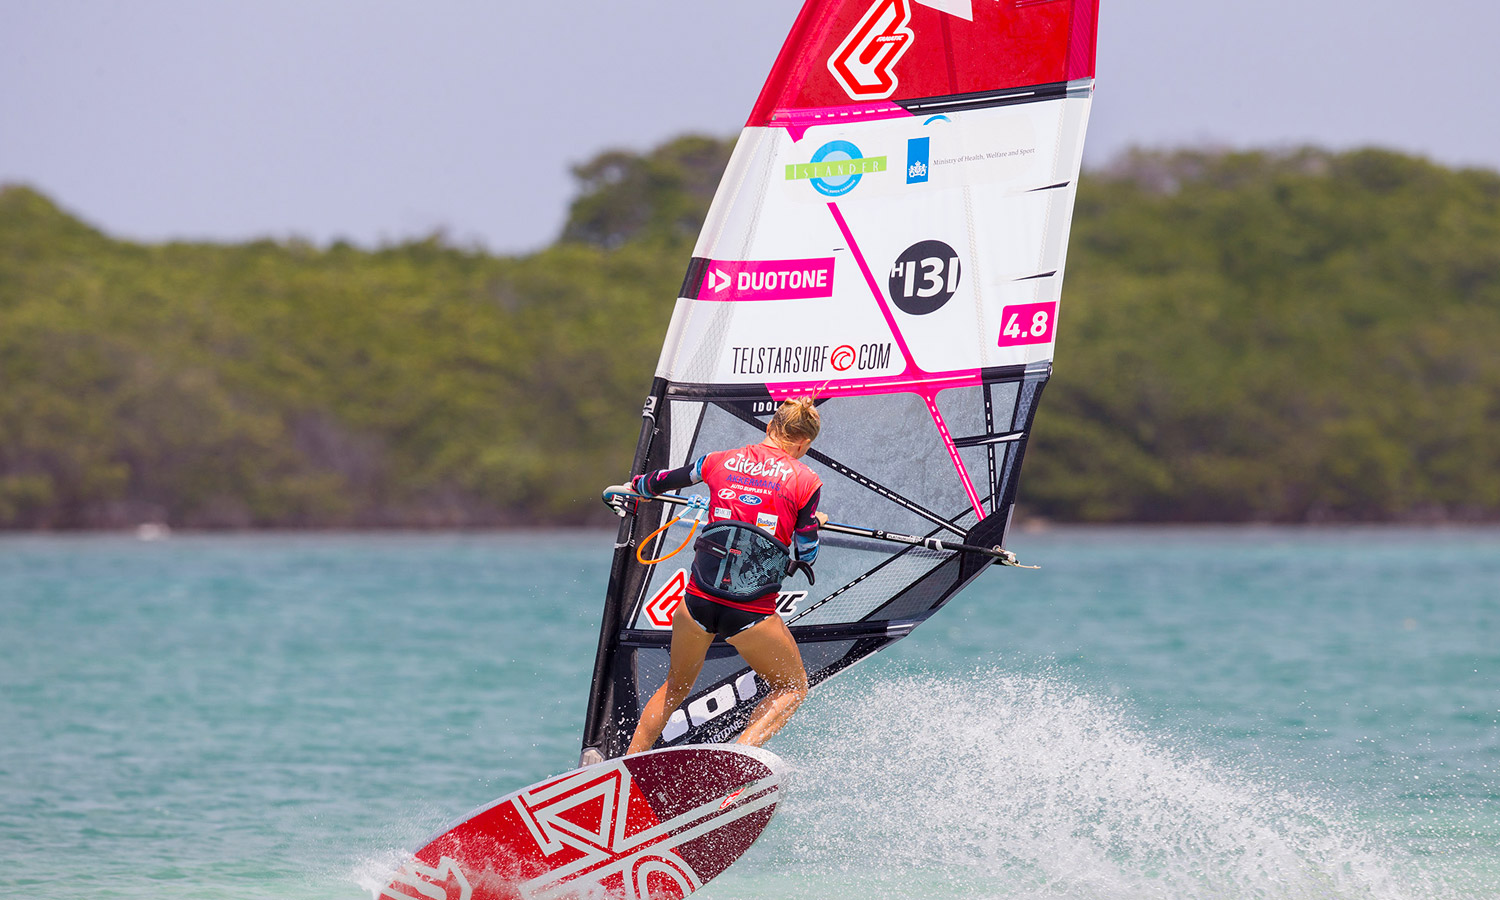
749,499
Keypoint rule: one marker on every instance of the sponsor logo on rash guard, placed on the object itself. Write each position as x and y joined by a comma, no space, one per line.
749,499
751,482
773,468
726,493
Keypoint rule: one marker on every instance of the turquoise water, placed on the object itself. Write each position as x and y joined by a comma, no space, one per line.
1154,714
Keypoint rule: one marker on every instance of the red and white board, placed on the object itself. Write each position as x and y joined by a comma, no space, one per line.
653,826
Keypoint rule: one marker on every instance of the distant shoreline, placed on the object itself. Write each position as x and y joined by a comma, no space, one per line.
1021,529
1293,336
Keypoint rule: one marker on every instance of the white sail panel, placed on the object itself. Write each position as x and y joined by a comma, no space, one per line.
996,206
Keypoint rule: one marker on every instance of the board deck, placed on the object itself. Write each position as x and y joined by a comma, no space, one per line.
655,825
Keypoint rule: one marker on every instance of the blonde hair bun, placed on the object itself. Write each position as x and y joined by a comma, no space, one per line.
797,419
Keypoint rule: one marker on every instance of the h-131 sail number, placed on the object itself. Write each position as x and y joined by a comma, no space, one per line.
1027,323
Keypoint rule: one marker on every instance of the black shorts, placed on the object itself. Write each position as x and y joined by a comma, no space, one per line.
716,618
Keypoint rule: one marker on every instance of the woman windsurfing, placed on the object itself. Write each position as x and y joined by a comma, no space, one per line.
763,527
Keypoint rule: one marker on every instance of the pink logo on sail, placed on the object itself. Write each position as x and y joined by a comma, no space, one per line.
1027,323
664,602
864,65
768,279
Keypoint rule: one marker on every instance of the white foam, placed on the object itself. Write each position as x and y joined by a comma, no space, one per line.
1000,785
374,873
377,865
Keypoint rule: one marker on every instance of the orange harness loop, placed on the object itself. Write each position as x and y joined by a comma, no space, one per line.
696,503
670,522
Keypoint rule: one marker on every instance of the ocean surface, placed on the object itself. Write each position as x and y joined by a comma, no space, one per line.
1173,714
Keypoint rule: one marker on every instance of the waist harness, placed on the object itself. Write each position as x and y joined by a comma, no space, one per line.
737,561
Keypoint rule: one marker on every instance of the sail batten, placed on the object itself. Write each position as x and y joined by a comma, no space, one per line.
889,237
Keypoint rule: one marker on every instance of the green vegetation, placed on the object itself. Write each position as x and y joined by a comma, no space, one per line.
1276,337
1245,337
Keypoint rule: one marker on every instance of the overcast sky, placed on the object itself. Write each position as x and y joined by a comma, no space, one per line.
376,121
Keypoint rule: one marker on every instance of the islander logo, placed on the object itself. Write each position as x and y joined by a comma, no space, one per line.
836,168
864,65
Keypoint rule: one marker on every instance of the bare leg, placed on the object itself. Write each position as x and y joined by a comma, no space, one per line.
769,648
689,646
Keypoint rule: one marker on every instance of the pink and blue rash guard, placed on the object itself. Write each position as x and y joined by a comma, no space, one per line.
760,485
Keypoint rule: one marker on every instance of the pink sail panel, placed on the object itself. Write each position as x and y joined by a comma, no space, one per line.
882,52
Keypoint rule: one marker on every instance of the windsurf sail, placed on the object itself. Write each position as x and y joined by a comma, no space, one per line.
889,236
